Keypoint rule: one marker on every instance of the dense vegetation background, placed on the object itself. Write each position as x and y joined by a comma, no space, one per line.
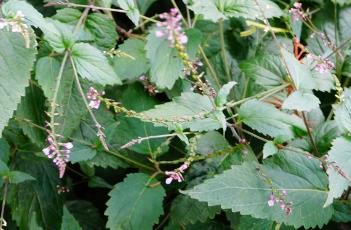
193,114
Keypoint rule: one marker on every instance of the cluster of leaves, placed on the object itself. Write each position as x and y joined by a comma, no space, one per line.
275,124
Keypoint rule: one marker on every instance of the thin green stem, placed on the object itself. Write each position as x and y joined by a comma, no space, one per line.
261,95
313,143
69,4
136,163
223,50
210,67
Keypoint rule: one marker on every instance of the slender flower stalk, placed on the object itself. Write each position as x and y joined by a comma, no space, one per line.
297,13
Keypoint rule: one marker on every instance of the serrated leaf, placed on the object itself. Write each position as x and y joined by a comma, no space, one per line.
133,204
267,70
300,73
301,101
340,172
266,119
242,188
186,210
219,9
16,62
133,63
26,198
187,105
103,29
93,65
16,177
4,150
68,221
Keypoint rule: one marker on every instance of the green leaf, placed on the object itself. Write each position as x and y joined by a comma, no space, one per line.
81,152
52,34
219,9
244,189
84,212
267,70
134,204
269,149
33,223
68,221
27,197
243,222
4,170
131,8
187,105
93,65
71,107
343,112
339,172
223,93
300,73
186,210
132,63
166,67
16,177
31,108
4,150
103,29
301,101
98,182
143,5
266,119
16,64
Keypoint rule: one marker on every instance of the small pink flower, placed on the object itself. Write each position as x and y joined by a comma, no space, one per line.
296,12
93,97
171,28
177,173
59,155
271,200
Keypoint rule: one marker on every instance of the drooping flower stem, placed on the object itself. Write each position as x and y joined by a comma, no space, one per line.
99,128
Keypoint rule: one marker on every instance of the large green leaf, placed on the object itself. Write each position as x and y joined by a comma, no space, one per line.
53,32
188,105
186,210
16,62
166,66
68,221
31,108
267,70
134,204
268,120
245,189
84,212
217,9
339,171
28,197
93,65
132,63
103,29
